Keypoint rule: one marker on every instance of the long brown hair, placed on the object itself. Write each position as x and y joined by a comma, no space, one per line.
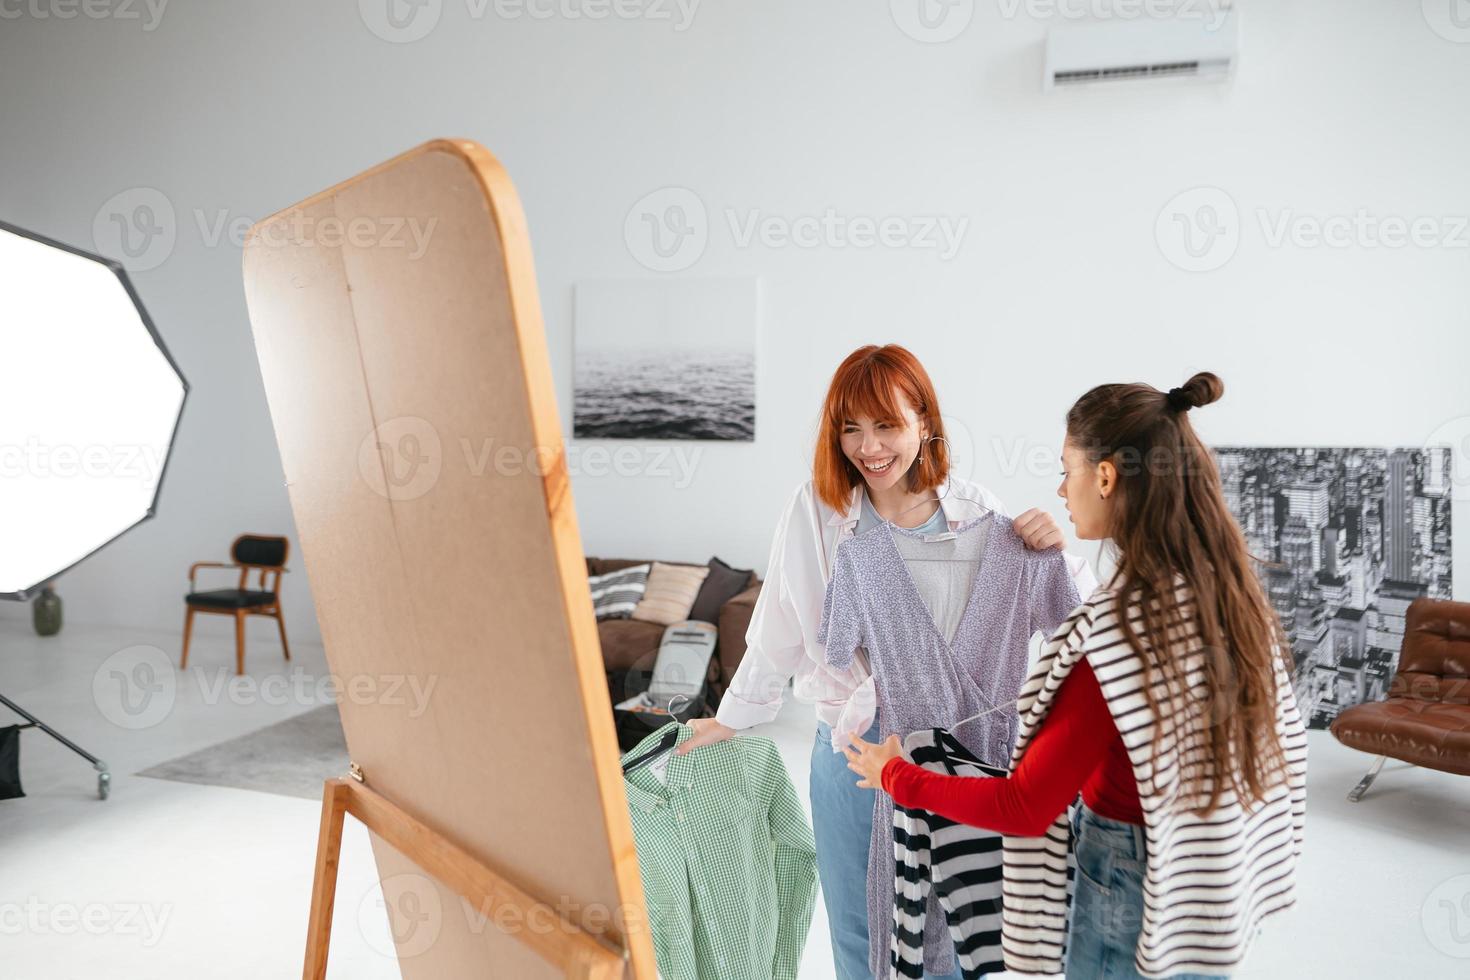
1169,518
864,384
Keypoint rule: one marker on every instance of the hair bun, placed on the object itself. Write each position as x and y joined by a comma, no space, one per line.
1202,389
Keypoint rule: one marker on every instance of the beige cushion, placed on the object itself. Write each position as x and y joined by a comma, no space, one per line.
670,593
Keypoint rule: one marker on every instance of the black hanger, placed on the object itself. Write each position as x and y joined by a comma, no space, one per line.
670,736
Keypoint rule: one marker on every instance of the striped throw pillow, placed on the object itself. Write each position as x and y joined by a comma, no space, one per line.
616,594
671,592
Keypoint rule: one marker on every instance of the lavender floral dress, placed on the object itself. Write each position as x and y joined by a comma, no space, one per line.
925,681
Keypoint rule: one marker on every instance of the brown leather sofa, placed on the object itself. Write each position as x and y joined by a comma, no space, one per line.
632,644
1425,719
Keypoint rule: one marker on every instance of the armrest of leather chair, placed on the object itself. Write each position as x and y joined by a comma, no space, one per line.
734,621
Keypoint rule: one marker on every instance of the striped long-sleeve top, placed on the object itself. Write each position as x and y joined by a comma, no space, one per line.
1210,881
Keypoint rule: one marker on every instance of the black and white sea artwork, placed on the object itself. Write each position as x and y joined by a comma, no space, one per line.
665,359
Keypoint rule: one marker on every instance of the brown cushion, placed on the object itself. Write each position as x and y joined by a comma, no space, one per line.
629,644
721,585
601,566
1422,732
670,593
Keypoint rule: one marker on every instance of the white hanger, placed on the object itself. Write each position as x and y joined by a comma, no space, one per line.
945,535
981,714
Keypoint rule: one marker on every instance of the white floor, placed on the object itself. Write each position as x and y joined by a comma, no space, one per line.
170,880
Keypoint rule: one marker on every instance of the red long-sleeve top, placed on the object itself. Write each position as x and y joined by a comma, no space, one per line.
1076,748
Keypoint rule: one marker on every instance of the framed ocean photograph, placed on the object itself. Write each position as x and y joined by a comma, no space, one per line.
665,359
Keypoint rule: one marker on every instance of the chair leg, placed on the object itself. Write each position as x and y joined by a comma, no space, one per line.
1366,781
188,631
281,622
240,642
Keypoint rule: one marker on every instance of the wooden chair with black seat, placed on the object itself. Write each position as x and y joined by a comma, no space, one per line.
251,552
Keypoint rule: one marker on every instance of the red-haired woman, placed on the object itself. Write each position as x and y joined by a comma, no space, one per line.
880,455
1166,701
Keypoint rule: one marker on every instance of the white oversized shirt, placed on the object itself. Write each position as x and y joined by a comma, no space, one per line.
781,642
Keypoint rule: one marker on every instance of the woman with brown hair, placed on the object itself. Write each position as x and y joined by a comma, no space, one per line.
1166,701
880,456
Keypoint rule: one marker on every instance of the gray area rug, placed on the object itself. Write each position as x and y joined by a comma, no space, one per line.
290,758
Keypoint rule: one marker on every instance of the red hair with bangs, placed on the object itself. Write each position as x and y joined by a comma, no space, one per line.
868,383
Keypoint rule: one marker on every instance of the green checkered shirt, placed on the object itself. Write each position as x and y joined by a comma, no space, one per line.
727,858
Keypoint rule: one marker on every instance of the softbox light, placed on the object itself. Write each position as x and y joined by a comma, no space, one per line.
89,404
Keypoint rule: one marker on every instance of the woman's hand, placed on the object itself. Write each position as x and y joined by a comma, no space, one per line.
867,759
707,731
1038,529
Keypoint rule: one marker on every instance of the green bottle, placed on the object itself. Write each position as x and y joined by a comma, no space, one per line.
46,612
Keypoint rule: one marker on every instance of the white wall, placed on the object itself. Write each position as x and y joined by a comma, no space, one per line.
787,109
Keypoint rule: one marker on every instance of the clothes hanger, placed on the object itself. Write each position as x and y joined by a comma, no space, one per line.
945,535
670,736
979,714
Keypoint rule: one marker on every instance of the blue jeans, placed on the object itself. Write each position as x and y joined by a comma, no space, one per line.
1107,909
842,822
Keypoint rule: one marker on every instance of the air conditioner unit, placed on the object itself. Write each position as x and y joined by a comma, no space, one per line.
1201,41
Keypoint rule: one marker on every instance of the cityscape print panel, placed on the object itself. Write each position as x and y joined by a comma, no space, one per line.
1351,537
